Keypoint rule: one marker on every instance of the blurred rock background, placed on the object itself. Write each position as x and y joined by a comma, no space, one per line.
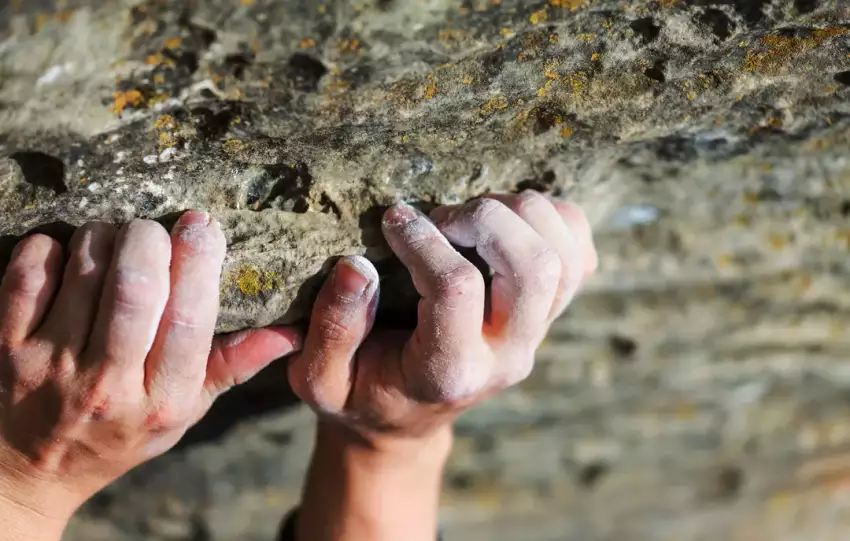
698,390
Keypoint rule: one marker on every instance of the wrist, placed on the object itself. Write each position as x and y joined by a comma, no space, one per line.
380,488
28,512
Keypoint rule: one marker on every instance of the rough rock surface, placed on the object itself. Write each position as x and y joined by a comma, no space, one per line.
698,388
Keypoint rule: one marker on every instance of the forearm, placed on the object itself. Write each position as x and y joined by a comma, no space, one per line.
357,492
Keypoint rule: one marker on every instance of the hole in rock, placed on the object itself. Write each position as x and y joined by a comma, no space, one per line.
623,346
42,170
305,72
718,22
591,474
646,29
656,72
842,78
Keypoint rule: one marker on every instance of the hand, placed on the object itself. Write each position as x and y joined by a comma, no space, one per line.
387,399
107,365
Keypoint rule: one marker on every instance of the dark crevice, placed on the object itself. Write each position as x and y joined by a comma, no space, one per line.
842,78
805,6
305,72
623,346
718,22
236,64
729,483
656,72
42,170
590,475
543,183
282,187
646,29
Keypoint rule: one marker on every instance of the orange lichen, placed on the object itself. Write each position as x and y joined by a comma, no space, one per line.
307,43
431,91
166,122
781,49
129,98
572,5
566,132
173,43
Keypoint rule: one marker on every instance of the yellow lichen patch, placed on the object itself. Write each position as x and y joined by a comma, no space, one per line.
667,3
159,78
167,140
577,81
431,91
778,241
166,122
595,57
129,98
586,37
468,80
780,49
506,32
349,46
566,132
233,146
572,5
494,104
252,281
307,43
247,2
540,16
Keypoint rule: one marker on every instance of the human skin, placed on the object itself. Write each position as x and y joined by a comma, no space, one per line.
108,356
387,400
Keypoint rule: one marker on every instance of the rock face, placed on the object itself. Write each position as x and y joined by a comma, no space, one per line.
696,391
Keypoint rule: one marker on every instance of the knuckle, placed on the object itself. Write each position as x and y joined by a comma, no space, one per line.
166,418
463,279
481,208
529,202
27,274
137,288
545,267
331,331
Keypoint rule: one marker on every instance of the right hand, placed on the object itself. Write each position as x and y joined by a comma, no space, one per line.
387,387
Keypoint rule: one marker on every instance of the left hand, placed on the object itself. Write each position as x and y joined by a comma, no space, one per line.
108,358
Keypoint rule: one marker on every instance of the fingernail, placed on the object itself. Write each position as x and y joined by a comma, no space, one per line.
193,219
355,276
400,214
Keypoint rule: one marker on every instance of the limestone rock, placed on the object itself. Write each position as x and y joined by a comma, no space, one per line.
700,376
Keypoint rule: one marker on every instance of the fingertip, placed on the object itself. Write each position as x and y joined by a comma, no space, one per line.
577,221
399,215
355,277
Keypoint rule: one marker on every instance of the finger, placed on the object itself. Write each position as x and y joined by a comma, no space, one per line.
236,358
134,295
342,317
28,287
577,221
541,214
527,270
451,311
72,314
177,364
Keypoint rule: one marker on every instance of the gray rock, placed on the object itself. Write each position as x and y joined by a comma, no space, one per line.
696,390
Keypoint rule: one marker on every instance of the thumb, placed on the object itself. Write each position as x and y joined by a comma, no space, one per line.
236,358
